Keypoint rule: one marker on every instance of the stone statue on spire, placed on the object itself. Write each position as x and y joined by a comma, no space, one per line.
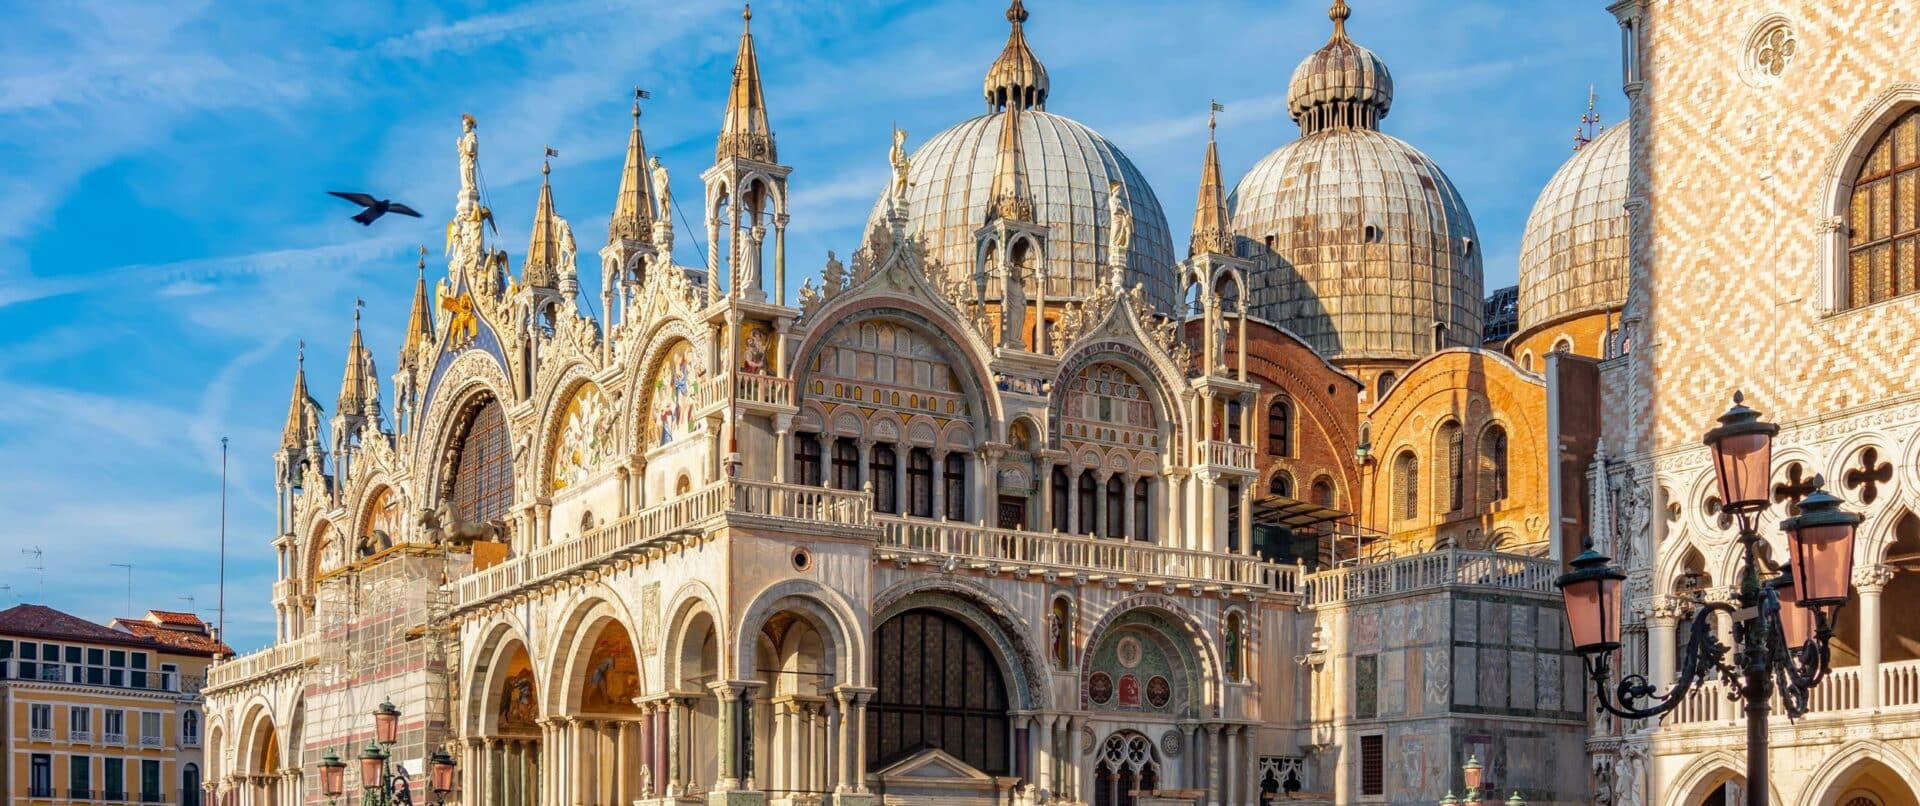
469,159
662,190
901,164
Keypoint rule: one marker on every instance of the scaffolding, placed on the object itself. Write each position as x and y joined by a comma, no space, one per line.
379,625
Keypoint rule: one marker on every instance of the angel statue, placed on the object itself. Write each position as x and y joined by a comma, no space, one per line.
898,159
1120,226
661,190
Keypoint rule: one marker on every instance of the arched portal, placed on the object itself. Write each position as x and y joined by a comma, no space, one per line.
509,713
940,688
260,760
1868,782
597,685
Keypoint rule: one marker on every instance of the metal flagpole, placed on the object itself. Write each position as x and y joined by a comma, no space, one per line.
223,540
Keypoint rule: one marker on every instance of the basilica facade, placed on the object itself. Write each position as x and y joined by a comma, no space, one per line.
1016,503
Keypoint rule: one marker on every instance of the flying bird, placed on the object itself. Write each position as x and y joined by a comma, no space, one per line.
375,207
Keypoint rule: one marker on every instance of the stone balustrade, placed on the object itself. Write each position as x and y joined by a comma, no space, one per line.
1435,569
255,664
1098,560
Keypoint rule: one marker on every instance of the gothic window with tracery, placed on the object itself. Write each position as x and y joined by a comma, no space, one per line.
1128,763
483,476
1883,217
939,687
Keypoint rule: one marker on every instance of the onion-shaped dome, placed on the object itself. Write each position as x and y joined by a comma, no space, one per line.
1341,82
1067,168
1364,247
1573,256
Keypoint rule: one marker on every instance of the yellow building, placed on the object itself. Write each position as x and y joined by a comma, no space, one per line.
92,713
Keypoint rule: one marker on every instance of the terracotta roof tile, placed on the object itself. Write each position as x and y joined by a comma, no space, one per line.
39,621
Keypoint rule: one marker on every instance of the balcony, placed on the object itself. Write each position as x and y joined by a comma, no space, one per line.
40,734
1124,562
250,666
113,738
80,794
80,736
39,791
152,741
1839,694
1226,456
190,741
153,797
665,525
1432,570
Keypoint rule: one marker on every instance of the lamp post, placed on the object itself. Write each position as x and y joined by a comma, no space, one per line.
1783,625
378,777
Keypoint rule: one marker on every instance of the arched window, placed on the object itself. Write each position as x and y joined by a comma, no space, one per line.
1060,635
940,687
846,464
806,459
1493,463
1128,763
1323,492
954,476
1406,485
1883,232
1089,499
1281,484
1060,503
190,785
1448,444
1280,427
1526,360
920,483
1116,506
190,728
1383,384
1143,509
885,467
483,478
1235,412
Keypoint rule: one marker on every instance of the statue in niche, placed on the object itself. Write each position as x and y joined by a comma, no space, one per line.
1120,224
1013,306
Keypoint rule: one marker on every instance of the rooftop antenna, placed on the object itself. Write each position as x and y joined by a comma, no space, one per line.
8,590
222,628
38,566
188,598
129,567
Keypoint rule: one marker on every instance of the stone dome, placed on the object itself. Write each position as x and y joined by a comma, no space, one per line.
1341,83
1068,170
1573,255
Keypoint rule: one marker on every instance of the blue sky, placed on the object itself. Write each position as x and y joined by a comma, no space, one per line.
165,240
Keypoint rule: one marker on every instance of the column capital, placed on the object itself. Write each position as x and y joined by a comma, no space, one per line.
1873,578
1667,610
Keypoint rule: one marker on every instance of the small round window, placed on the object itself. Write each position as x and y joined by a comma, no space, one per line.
802,560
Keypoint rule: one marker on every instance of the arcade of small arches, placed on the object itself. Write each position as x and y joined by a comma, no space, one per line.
797,699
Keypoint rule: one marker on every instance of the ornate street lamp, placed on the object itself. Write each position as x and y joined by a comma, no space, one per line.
333,773
380,783
1783,625
373,768
440,775
386,724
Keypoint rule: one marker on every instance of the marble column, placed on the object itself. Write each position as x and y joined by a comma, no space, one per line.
1230,776
1663,616
1871,581
1216,793
844,782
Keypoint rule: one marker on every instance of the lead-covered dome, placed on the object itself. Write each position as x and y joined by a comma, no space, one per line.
1364,247
1067,170
1573,256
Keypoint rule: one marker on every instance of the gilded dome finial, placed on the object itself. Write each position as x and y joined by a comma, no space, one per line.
746,14
1340,86
1017,13
1339,14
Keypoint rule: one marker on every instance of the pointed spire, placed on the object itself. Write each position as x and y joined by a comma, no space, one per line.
420,319
294,436
543,250
745,132
357,384
1011,198
1017,78
633,208
1210,211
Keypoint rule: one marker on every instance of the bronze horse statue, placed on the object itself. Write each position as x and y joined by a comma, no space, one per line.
447,524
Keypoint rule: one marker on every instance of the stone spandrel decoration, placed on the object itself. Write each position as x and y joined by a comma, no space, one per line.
586,440
676,386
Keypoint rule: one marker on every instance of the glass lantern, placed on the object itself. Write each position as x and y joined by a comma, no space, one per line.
1742,457
1592,596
